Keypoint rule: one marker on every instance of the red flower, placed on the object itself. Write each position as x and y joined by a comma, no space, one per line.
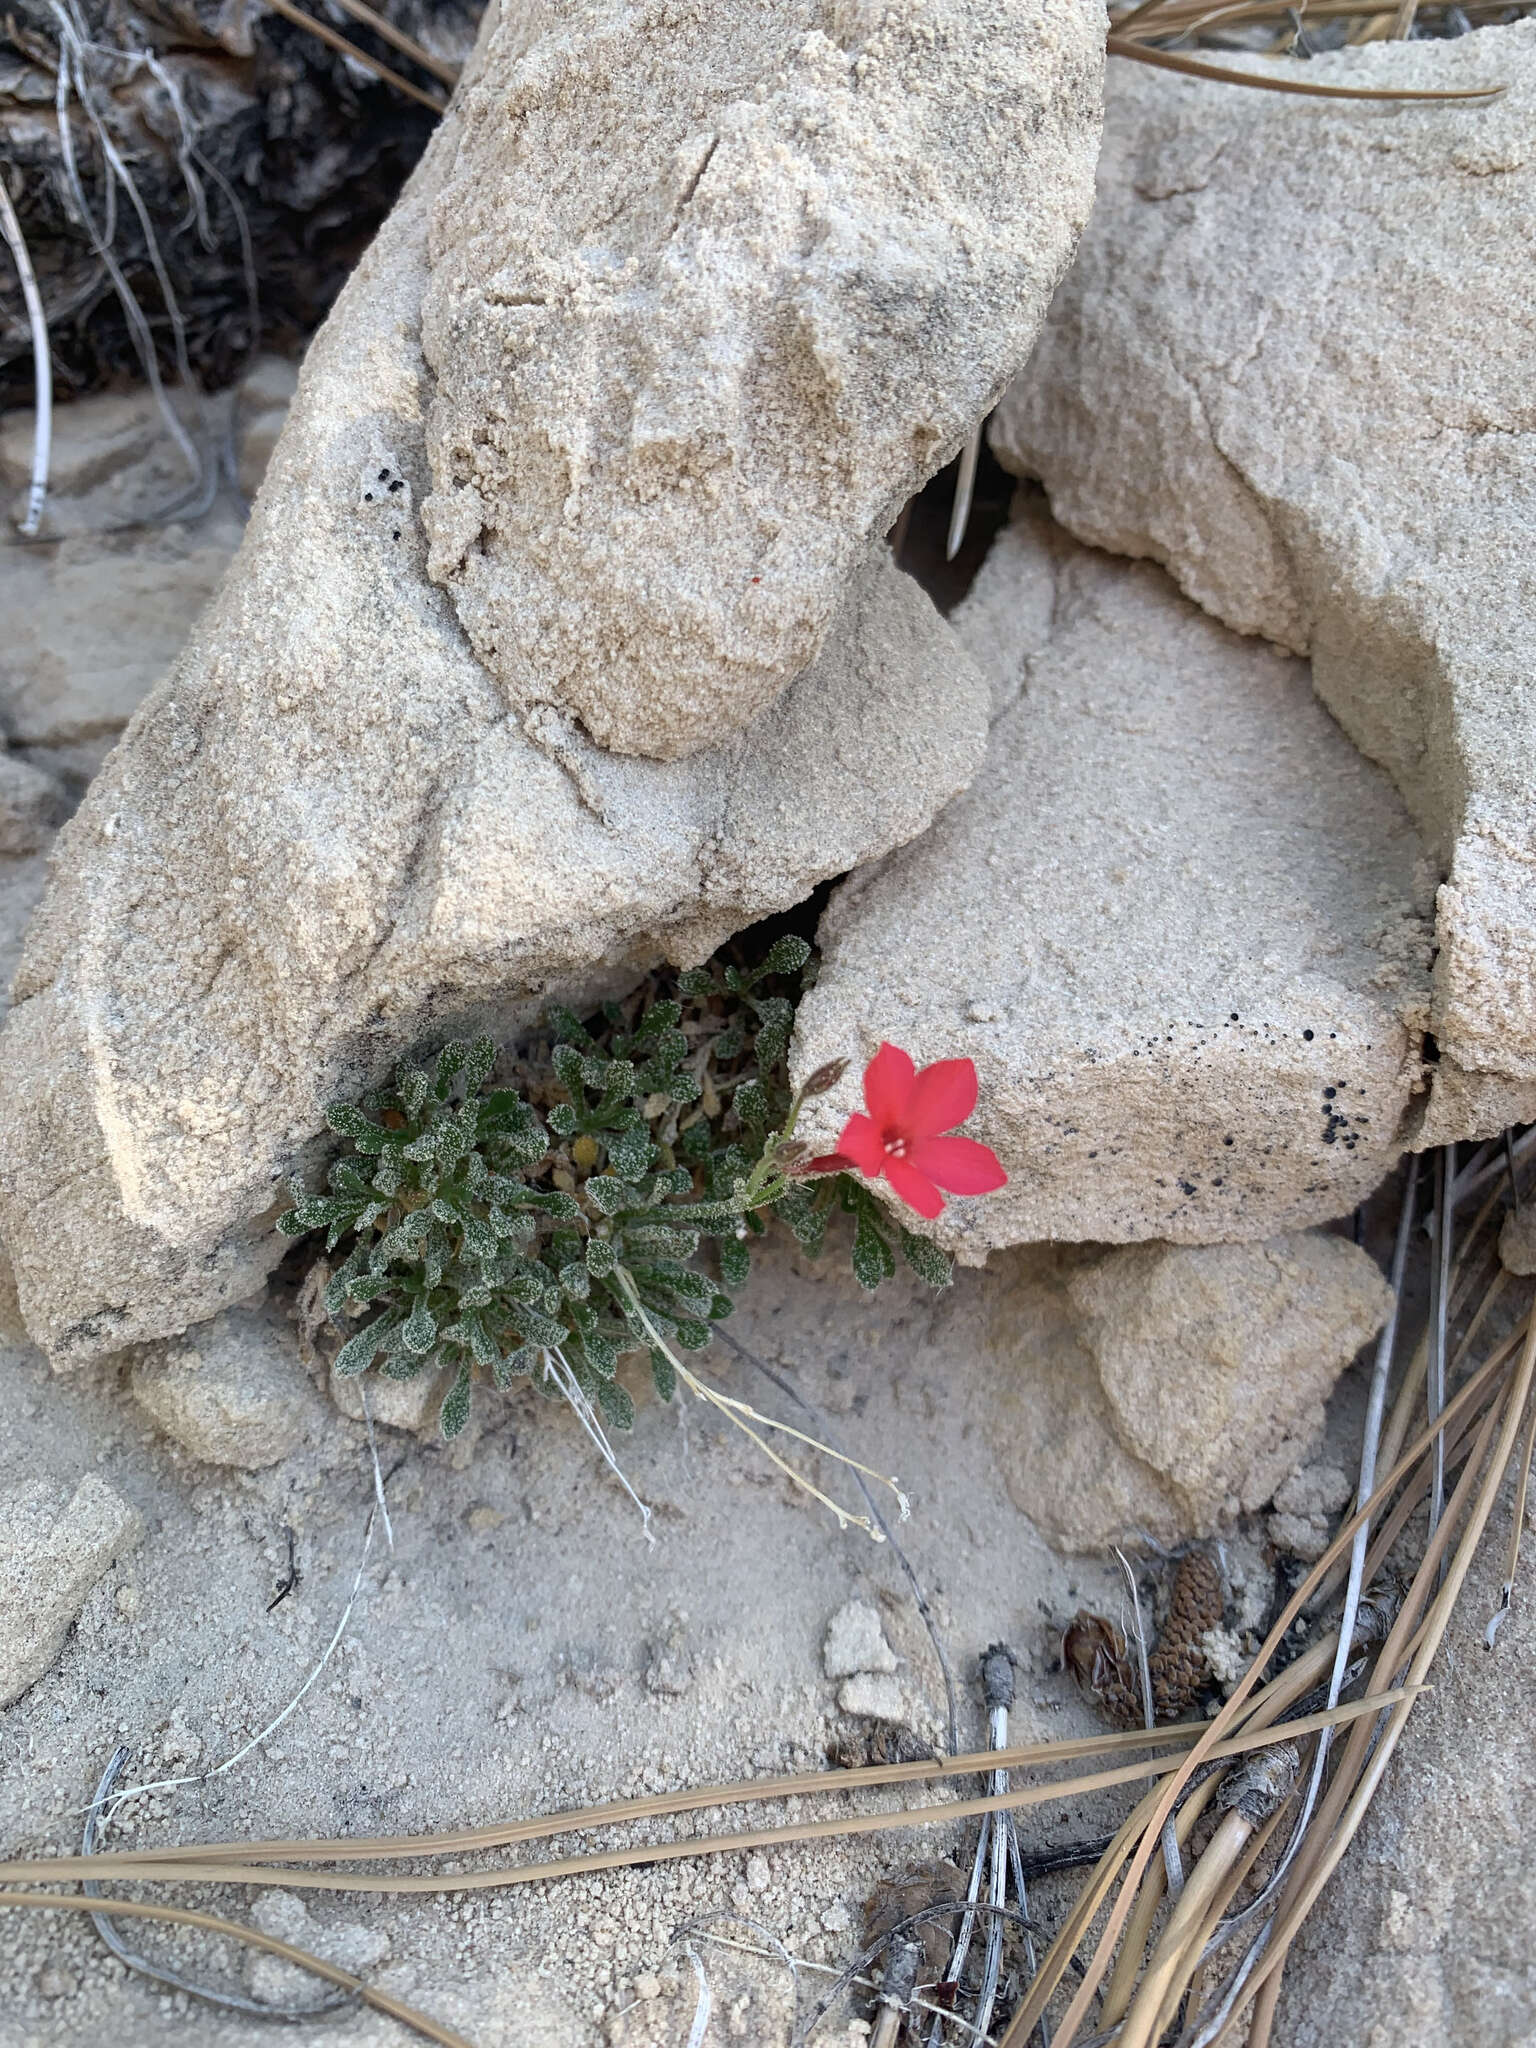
902,1136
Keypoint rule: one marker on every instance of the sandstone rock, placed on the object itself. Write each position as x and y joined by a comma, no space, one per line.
324,840
1176,921
284,1915
1304,1506
233,1392
53,1549
1298,408
112,460
712,291
412,1405
873,1696
96,611
98,608
1384,1959
856,1642
1157,1390
1216,1359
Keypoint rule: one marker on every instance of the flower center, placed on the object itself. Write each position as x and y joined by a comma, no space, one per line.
895,1148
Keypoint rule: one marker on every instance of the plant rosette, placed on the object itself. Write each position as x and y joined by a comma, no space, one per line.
498,1232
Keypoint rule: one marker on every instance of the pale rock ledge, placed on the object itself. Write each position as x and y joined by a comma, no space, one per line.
1293,361
1179,923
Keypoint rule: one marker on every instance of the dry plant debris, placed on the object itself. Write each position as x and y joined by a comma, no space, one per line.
1265,1797
1178,1669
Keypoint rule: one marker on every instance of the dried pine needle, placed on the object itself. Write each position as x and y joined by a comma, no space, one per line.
209,1923
1222,74
215,1868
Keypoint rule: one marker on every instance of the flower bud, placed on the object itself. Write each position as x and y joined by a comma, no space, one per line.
790,1153
825,1079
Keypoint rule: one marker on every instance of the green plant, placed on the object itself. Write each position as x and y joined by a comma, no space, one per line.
551,1225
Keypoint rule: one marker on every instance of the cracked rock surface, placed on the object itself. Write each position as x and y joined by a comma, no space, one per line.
711,291
1317,411
1178,921
323,837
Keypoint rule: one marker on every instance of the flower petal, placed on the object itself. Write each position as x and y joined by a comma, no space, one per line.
914,1188
862,1146
888,1087
959,1164
825,1162
943,1095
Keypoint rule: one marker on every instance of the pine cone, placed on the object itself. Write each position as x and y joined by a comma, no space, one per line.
1095,1653
1178,1666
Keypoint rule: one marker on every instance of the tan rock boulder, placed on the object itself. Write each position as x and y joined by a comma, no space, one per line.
1292,362
323,838
712,290
53,1548
1159,1390
232,1392
1177,921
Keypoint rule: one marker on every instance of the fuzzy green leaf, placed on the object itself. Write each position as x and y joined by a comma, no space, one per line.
926,1260
752,1104
478,1063
601,1257
449,1062
567,1026
618,1409
785,956
735,1262
608,1194
659,1241
631,1153
776,1019
873,1259
568,1064
402,1365
359,1352
555,1203
480,1239
537,1328
512,1365
349,1122
455,1410
575,1281
419,1333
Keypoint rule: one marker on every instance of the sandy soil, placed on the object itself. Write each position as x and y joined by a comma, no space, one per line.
524,1648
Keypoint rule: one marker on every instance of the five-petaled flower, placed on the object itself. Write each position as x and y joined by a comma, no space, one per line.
903,1136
